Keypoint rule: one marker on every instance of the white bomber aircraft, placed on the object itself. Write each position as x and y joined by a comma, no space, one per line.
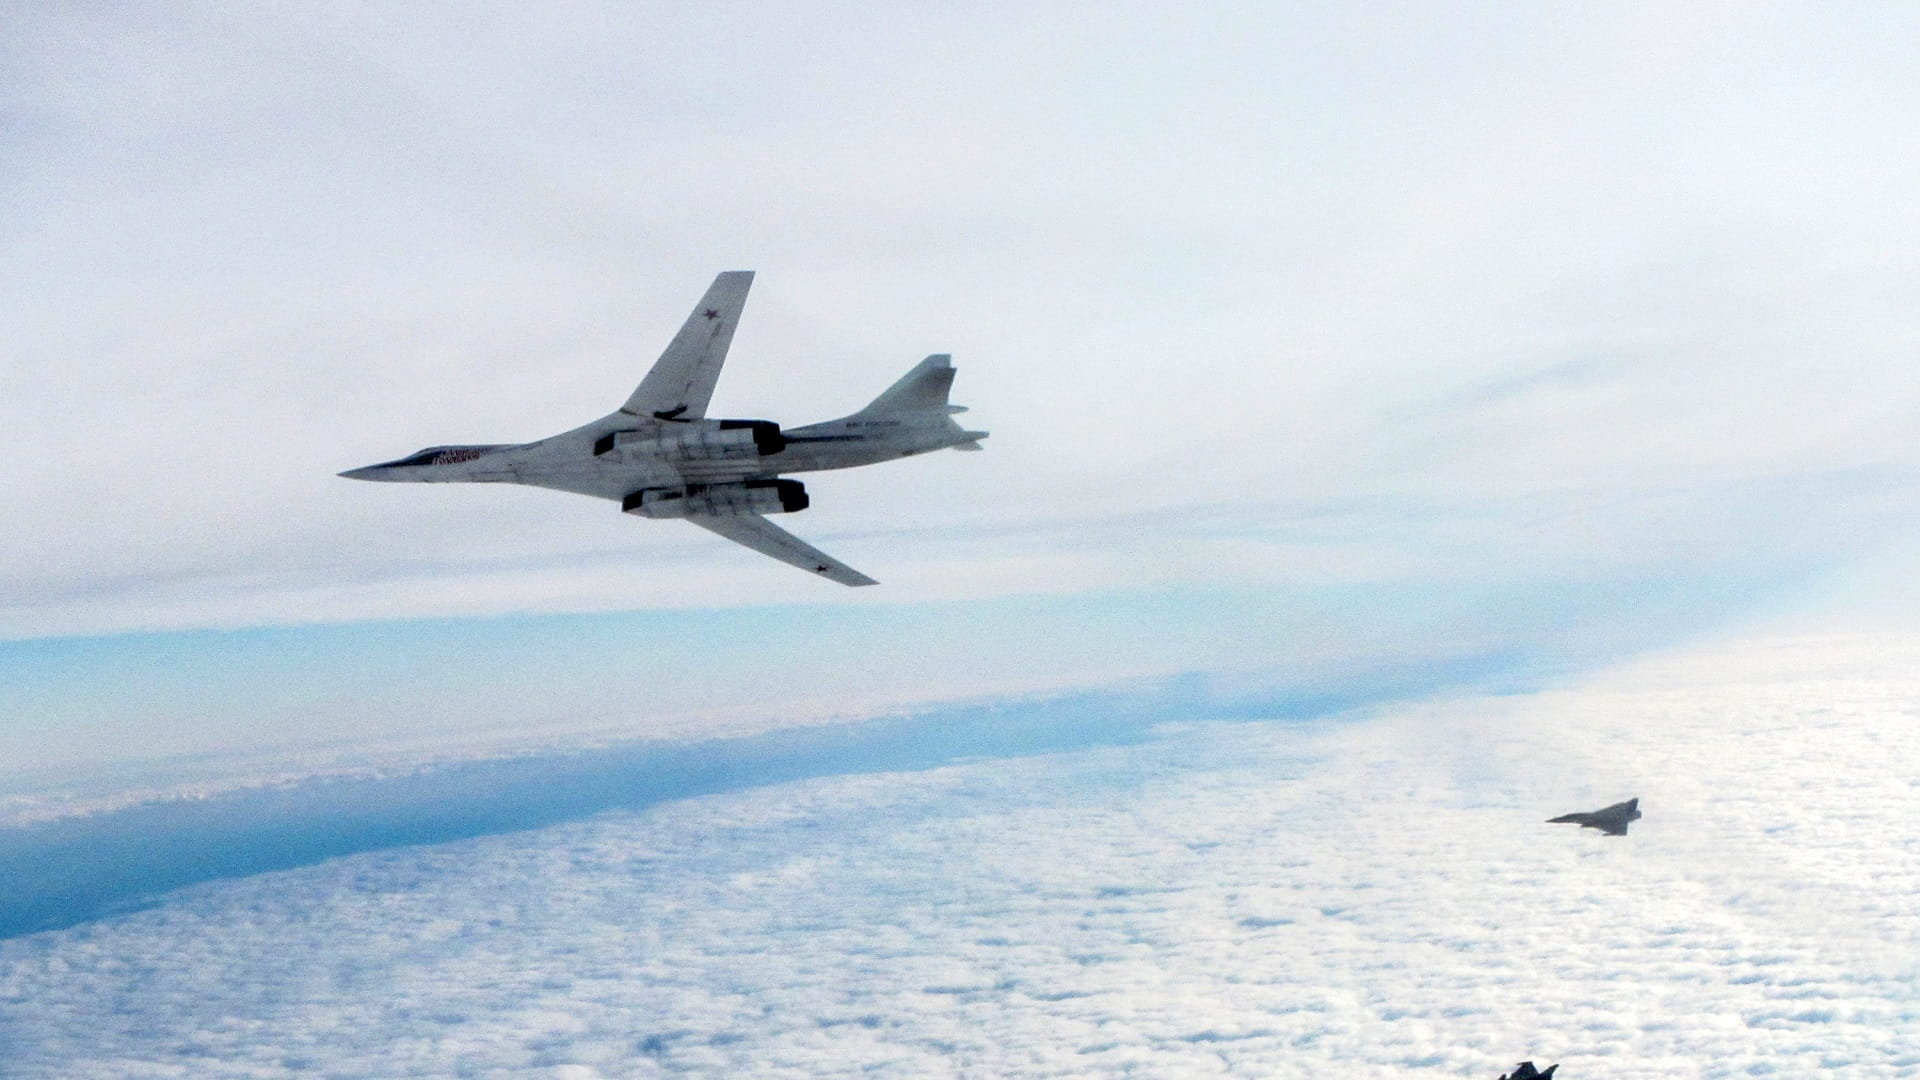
660,456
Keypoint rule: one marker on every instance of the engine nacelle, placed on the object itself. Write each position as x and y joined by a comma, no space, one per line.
698,440
718,500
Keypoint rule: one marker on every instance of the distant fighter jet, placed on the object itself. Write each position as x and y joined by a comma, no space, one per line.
1612,820
660,456
1526,1071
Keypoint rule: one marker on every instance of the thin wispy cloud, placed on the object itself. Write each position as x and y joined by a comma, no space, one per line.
1224,256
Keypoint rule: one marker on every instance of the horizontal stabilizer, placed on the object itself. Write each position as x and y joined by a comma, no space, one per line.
767,538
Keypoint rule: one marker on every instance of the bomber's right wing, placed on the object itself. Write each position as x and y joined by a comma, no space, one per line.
681,381
767,538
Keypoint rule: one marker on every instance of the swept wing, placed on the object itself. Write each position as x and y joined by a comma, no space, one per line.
681,382
767,538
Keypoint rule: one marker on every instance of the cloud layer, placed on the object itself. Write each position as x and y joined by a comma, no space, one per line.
1229,899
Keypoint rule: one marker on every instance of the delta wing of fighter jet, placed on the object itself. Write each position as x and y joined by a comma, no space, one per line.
1612,820
1526,1071
660,456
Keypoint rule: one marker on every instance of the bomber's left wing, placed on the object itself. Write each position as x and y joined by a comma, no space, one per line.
767,538
681,382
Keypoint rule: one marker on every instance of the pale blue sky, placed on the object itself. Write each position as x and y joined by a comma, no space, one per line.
1264,307
75,702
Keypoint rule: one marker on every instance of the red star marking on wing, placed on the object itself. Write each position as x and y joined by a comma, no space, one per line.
711,314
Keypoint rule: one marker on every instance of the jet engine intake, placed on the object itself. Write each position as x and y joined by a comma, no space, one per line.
718,500
701,440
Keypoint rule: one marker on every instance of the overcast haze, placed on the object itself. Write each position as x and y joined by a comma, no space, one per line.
1479,298
1336,357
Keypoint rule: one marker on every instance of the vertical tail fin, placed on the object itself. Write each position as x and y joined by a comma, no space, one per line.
919,402
924,389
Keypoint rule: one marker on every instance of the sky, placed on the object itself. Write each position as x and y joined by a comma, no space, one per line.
1500,305
1338,360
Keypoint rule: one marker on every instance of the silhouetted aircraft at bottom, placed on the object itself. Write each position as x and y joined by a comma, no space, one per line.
1526,1071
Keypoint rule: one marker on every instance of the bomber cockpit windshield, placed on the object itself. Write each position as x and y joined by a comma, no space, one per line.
444,455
